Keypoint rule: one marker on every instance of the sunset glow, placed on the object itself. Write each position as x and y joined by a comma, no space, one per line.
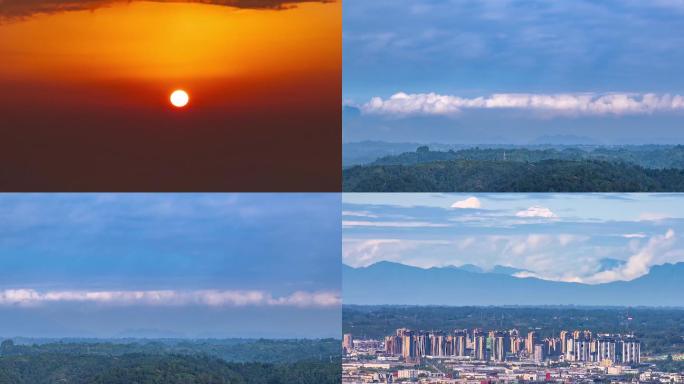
264,77
163,40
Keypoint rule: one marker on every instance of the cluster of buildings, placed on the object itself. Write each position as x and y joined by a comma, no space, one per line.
386,372
474,356
510,345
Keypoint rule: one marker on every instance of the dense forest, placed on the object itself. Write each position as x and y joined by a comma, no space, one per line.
661,331
512,176
234,350
648,168
49,368
170,362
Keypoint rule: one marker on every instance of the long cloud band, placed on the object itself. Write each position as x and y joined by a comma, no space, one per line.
565,104
22,8
212,298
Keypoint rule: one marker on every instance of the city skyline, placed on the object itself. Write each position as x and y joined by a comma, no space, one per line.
457,345
510,344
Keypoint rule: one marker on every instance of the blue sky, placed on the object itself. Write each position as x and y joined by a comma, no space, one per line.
238,265
512,71
590,238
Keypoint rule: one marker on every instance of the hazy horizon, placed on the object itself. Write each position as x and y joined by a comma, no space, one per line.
170,265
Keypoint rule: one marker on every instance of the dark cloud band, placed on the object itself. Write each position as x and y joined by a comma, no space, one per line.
24,8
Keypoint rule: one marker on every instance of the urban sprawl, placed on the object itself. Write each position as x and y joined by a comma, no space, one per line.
477,356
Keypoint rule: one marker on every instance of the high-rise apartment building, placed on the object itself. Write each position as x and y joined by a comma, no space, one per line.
631,350
408,344
564,337
479,347
499,345
530,342
582,349
438,344
606,348
347,342
539,354
460,342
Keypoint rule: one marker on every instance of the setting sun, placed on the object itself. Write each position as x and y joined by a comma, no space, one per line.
179,98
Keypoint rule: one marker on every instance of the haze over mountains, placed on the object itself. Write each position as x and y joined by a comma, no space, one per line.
398,284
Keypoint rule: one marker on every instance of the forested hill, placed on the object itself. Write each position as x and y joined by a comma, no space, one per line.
647,156
232,350
161,361
49,368
512,176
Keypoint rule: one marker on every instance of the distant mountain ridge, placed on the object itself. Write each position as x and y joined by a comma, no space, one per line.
399,284
647,156
566,140
497,269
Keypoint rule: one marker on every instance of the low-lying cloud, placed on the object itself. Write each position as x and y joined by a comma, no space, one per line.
469,203
392,224
24,8
562,104
536,211
367,214
211,298
638,264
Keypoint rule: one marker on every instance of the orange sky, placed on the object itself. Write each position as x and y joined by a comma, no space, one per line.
85,98
171,42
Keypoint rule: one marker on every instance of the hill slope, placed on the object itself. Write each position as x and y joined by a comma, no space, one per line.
512,176
153,369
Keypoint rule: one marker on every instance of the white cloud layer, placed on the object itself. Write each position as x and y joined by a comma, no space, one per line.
212,298
359,214
654,216
471,202
639,263
536,211
392,224
563,104
634,235
364,252
558,257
